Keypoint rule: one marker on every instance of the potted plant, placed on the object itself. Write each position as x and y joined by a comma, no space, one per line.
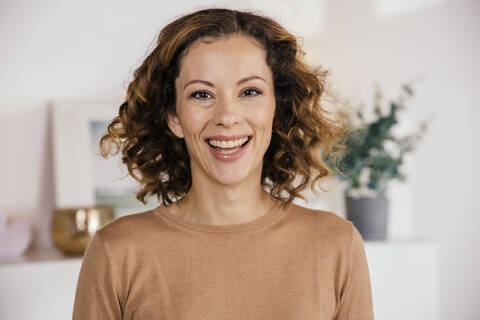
373,157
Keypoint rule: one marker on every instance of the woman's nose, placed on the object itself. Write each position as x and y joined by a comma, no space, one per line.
227,112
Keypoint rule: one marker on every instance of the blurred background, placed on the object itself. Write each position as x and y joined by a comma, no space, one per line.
71,52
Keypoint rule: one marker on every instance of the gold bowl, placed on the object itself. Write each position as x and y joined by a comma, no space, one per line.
74,227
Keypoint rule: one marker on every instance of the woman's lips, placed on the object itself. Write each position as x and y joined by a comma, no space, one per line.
227,138
228,157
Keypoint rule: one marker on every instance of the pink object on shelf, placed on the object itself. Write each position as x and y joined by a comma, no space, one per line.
15,238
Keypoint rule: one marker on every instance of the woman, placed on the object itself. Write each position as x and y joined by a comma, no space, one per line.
223,123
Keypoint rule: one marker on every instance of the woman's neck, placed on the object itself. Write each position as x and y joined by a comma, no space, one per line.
214,204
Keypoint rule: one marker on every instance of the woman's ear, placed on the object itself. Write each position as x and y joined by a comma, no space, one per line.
174,124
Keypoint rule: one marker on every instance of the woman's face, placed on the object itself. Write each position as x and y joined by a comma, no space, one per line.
225,105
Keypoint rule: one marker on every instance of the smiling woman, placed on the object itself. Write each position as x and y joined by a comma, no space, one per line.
223,122
225,117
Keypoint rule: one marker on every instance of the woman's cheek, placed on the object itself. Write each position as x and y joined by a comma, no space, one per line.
194,118
263,115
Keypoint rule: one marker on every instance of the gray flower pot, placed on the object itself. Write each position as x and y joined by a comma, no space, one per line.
369,216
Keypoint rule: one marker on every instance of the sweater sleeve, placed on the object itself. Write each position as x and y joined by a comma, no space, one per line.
96,295
356,294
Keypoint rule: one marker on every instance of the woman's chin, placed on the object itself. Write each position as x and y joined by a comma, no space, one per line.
230,178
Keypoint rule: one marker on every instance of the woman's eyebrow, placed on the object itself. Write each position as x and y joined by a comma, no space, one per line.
250,78
212,85
199,81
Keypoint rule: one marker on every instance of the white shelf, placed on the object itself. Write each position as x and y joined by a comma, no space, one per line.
39,255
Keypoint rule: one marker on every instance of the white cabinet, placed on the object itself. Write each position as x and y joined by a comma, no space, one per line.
38,289
405,279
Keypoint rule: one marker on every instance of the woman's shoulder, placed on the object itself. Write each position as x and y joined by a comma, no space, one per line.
129,227
324,216
324,223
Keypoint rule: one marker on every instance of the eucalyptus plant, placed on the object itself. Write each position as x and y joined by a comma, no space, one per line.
373,155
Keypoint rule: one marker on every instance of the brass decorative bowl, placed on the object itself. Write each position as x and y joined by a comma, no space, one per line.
74,227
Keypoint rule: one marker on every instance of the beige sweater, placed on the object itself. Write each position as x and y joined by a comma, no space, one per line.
294,264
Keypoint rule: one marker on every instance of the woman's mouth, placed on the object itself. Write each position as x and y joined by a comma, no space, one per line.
228,150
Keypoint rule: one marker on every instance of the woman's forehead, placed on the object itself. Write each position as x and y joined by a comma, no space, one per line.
212,39
232,56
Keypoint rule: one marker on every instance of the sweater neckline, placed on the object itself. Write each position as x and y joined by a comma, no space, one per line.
273,214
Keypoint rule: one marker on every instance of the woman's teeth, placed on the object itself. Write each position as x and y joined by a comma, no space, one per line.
229,151
227,144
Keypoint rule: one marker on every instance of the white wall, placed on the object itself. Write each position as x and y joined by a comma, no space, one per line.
362,43
66,50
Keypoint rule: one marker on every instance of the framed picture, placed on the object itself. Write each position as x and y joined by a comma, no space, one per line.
82,176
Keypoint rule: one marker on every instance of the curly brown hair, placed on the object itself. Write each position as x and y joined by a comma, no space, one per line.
302,138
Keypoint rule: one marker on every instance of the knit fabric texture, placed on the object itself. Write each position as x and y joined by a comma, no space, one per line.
290,263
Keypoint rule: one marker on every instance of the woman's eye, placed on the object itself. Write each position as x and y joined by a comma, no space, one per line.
202,95
251,92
